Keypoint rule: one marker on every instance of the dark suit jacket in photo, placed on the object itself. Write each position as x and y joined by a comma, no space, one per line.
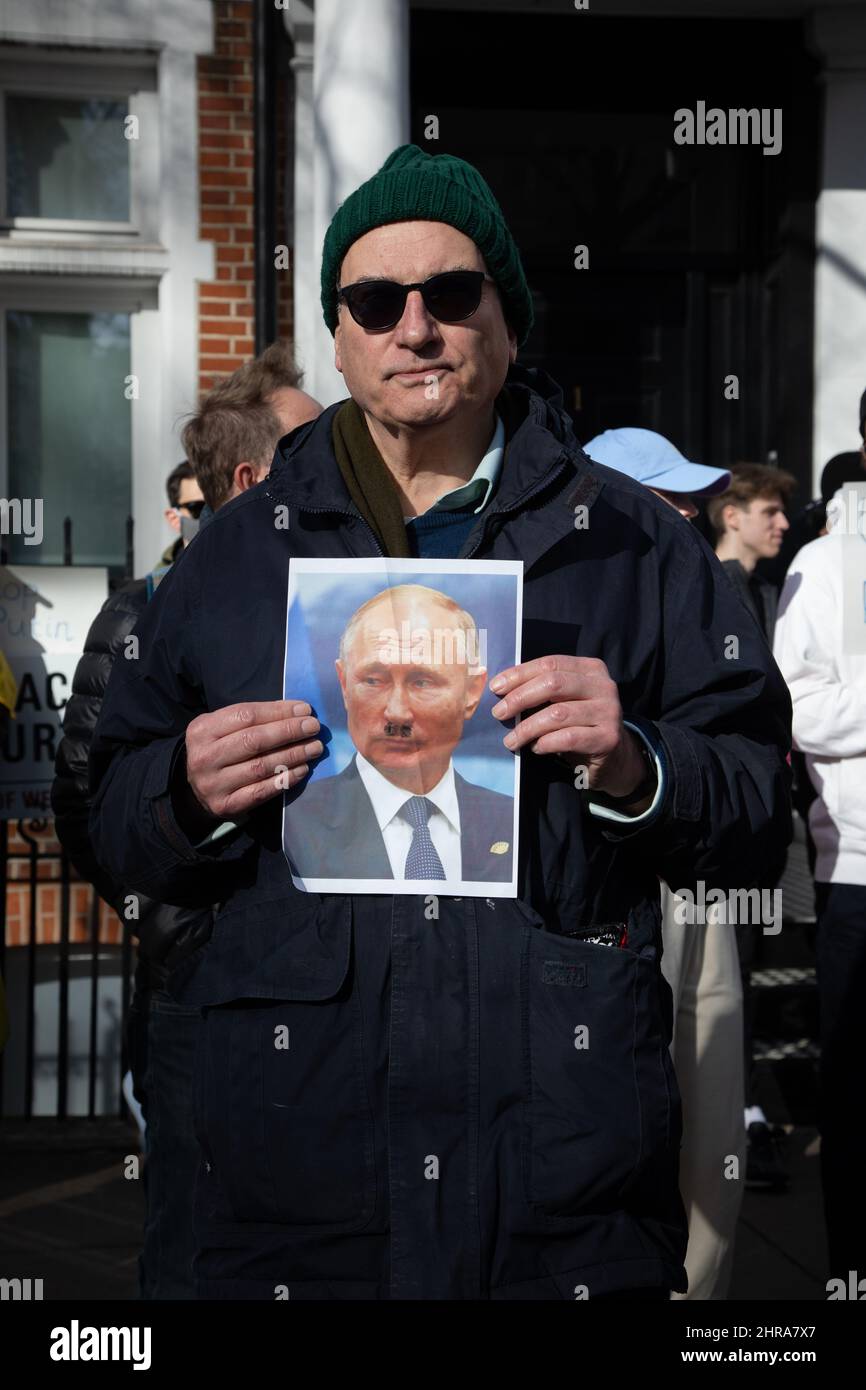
331,831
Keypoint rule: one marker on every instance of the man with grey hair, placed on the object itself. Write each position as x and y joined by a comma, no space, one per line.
480,1104
411,677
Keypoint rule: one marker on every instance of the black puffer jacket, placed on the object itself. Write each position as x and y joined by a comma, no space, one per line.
166,934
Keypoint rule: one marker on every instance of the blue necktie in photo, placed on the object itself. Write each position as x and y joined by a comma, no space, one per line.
422,861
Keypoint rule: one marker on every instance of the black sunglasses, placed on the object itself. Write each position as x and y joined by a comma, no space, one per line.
194,508
450,297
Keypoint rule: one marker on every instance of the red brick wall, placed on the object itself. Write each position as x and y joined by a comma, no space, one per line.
284,136
225,105
225,120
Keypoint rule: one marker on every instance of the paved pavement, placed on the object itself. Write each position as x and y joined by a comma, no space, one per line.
780,1251
68,1215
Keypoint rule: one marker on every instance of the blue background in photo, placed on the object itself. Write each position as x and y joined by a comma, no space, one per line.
319,613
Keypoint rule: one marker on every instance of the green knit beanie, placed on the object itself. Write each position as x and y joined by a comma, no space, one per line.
414,186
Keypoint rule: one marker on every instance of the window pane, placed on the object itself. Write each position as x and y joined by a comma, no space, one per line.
69,433
66,157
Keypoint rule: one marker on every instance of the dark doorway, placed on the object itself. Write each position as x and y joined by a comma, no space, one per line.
700,257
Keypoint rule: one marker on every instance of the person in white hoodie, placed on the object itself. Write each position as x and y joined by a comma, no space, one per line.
828,691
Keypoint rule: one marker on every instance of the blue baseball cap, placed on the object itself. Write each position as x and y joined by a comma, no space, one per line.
651,459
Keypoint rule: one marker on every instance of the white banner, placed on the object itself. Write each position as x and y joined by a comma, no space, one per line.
45,612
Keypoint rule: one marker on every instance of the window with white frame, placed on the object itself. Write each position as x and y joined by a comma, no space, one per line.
78,176
78,146
66,158
71,370
68,428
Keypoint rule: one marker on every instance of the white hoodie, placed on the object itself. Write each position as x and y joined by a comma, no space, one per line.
828,690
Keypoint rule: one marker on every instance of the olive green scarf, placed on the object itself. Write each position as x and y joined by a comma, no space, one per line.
370,485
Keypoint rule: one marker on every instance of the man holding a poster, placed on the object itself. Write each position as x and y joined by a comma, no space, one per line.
461,1096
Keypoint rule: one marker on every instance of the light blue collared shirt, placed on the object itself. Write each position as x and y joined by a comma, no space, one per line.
482,482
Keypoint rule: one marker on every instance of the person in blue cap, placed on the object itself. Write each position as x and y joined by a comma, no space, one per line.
651,459
700,960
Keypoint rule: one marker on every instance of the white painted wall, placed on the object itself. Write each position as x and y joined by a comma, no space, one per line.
305,305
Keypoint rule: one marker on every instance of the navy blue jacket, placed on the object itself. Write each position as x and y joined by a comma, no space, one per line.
356,849
469,1100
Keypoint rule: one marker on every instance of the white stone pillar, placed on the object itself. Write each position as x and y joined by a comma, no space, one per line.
840,235
192,262
299,22
361,114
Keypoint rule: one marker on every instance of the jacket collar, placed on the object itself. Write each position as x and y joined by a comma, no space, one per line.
540,445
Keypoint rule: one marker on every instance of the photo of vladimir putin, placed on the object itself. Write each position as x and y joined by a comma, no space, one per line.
411,674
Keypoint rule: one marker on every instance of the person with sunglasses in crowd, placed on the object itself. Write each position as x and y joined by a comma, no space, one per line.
185,503
406,1097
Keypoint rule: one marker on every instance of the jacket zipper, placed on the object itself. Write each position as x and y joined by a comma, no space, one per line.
354,516
525,497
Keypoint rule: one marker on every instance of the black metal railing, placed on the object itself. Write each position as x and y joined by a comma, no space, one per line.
47,967
29,967
114,570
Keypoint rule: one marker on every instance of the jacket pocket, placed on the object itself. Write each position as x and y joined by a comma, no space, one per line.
285,1115
598,1107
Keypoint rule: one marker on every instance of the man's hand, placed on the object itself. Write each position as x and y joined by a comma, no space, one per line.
578,716
242,755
